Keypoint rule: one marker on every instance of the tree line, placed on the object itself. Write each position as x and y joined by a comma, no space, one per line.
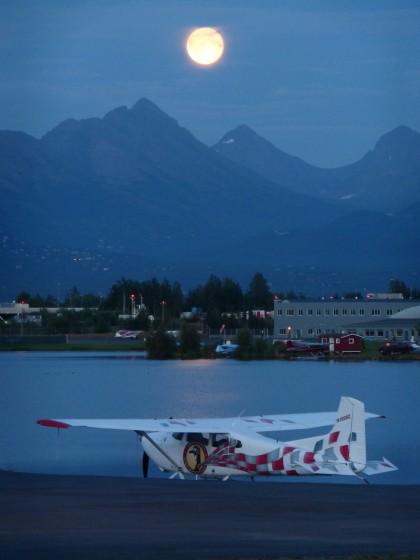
219,303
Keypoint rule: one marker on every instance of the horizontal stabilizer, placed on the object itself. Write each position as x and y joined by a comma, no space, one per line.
326,468
379,467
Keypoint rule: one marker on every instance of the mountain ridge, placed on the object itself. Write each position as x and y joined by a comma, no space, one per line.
137,183
373,179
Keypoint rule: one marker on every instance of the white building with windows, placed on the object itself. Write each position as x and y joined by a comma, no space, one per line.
373,318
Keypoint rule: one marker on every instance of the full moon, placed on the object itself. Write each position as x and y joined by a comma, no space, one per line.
205,45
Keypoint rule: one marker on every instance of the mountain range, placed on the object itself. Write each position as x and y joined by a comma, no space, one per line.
134,194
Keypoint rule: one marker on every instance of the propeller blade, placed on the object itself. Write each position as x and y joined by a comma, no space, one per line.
145,464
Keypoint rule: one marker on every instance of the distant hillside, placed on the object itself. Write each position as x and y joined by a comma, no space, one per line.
363,237
135,194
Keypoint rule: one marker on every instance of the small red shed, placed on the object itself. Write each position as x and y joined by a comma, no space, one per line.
341,343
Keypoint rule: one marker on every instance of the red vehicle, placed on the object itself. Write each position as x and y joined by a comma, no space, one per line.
396,348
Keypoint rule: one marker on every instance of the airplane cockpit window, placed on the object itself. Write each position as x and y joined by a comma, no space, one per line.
178,435
218,439
197,437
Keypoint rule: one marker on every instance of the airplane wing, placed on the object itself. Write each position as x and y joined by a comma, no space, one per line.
252,424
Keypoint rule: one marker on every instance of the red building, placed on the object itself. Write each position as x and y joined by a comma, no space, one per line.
341,343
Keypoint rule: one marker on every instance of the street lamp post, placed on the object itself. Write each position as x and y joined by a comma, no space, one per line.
163,303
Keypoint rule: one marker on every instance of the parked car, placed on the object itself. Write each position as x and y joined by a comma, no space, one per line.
396,348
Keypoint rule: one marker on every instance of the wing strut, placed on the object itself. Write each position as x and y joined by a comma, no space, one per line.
146,435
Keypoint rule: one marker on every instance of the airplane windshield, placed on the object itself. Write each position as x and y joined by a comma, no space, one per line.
215,440
197,437
219,439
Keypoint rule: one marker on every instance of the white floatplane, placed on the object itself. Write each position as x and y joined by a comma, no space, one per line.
225,447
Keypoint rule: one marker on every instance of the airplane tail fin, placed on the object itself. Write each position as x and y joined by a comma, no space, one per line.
343,449
347,437
353,411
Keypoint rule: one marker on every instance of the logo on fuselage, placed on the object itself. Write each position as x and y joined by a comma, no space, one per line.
195,456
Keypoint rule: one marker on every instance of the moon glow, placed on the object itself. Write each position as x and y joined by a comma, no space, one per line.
205,45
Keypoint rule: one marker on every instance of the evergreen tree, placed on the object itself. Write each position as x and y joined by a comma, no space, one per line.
259,295
190,341
399,287
160,345
245,345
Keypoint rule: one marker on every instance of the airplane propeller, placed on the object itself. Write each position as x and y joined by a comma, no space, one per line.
145,464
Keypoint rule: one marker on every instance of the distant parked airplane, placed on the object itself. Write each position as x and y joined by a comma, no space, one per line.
127,334
306,347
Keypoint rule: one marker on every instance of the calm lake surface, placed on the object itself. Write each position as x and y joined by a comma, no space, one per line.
36,385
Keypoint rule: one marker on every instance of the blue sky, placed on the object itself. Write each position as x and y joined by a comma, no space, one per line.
320,79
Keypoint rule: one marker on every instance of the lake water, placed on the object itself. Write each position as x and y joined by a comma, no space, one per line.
37,385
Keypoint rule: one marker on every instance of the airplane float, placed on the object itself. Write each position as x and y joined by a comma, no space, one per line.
225,447
226,348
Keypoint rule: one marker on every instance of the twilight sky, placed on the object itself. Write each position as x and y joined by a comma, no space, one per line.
320,79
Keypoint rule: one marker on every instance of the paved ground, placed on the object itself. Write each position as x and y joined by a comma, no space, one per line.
62,517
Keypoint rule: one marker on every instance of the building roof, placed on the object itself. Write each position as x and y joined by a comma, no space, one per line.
389,322
409,313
